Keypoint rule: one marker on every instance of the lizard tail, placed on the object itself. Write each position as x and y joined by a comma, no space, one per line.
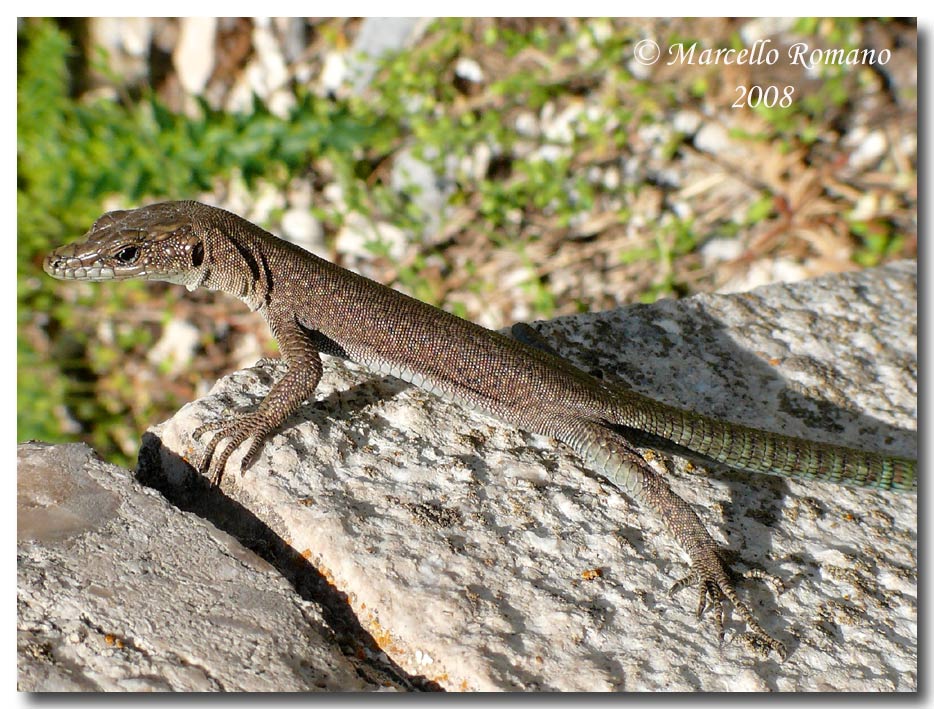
764,452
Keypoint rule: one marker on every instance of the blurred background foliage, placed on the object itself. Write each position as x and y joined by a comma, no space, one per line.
570,179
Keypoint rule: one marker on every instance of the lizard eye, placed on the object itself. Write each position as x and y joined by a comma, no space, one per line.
127,255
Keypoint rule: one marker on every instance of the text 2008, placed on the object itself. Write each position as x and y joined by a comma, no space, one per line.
769,96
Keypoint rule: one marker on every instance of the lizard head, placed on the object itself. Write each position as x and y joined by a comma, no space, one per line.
160,242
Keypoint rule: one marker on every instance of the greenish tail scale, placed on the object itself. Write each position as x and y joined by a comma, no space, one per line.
760,451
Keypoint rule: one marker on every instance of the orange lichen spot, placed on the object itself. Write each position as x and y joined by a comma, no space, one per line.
382,636
324,571
591,574
306,554
113,641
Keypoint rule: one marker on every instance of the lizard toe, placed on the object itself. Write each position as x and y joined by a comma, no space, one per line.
233,434
715,588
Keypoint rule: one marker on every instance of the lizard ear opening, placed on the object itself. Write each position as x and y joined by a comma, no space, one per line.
197,254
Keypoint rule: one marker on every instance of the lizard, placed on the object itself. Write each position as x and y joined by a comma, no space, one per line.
314,307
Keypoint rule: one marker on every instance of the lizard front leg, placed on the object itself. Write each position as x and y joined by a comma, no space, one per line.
286,396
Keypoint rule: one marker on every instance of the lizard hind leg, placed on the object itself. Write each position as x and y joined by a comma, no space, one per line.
611,456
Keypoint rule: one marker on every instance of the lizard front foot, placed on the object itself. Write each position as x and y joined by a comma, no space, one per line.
235,432
715,587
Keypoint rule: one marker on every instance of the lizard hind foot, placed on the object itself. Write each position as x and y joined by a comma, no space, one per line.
714,589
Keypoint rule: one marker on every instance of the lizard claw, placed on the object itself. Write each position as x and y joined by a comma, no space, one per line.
714,586
236,432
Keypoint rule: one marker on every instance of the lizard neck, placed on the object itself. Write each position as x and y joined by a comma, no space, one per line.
238,265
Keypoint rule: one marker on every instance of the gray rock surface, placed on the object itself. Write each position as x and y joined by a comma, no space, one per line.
117,589
481,557
486,558
378,36
428,192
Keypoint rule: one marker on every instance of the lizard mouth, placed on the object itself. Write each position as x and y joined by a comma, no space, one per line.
71,268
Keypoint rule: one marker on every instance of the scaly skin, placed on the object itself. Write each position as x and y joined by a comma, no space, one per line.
313,307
